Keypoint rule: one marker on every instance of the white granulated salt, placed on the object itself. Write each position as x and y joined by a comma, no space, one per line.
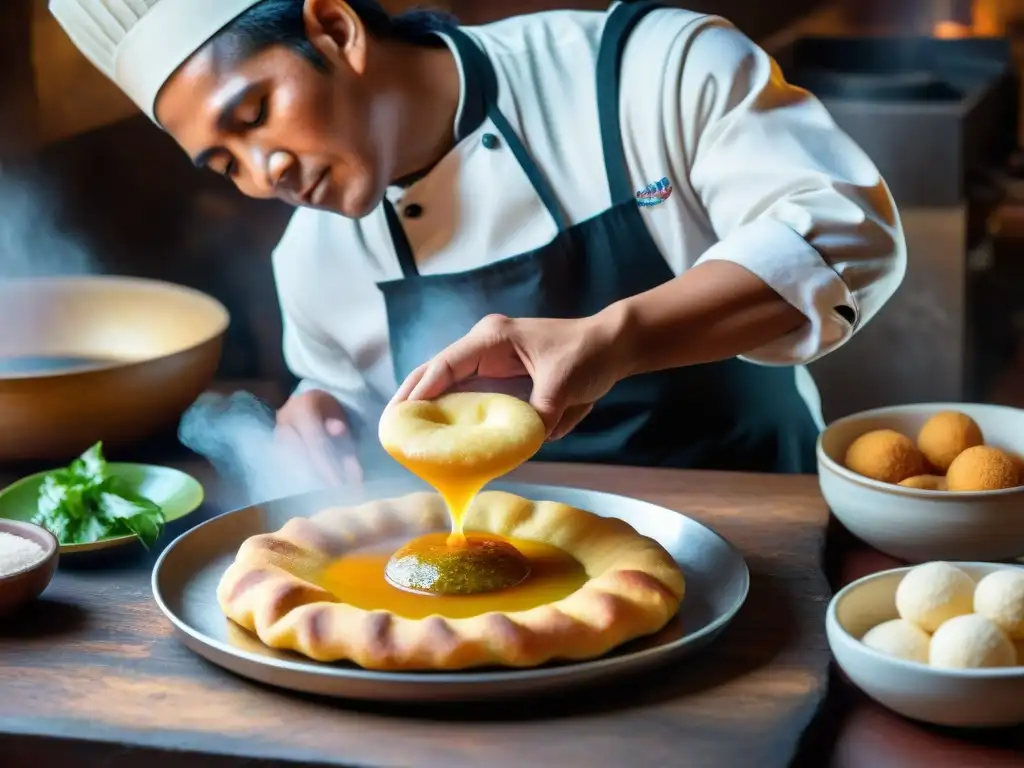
17,553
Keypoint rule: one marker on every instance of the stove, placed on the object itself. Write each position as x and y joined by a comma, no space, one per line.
931,113
940,120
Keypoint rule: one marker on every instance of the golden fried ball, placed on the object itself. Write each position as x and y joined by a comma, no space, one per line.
945,436
1018,461
982,468
925,482
885,455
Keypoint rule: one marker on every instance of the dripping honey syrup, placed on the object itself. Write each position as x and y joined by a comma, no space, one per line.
458,491
359,580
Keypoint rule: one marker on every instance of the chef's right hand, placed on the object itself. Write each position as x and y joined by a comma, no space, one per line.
315,423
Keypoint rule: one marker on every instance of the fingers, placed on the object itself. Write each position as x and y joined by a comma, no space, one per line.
294,446
408,385
326,441
570,420
457,362
494,349
344,447
353,469
316,452
548,400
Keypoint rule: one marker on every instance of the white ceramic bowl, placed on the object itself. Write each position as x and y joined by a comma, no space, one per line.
915,525
969,698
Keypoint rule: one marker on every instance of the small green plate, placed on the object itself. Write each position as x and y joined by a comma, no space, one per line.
176,493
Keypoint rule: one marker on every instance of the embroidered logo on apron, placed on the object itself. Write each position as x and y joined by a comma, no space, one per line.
654,194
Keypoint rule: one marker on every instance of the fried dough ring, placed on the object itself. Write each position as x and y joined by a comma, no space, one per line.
634,588
482,434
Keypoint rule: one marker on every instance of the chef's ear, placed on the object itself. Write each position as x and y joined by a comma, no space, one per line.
337,32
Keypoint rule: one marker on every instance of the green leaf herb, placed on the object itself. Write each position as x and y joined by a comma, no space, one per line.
84,503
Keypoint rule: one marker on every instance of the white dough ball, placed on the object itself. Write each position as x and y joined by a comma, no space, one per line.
971,642
1000,597
933,593
899,638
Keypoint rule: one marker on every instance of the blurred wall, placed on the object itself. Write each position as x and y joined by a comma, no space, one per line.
17,82
72,96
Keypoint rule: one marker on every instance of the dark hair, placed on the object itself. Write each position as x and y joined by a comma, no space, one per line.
280,22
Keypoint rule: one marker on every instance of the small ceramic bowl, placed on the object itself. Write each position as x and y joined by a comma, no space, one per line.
915,525
21,587
968,698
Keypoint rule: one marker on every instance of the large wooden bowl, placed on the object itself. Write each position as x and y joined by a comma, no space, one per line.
115,359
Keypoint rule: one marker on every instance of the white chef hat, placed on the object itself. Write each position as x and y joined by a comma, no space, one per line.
139,44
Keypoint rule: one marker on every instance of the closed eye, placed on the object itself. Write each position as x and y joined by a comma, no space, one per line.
234,119
231,167
261,116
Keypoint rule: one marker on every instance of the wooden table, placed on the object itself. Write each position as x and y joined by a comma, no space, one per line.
93,676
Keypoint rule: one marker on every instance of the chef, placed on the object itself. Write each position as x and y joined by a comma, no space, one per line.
632,208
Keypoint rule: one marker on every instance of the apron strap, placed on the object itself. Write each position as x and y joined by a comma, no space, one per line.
533,173
400,241
609,76
475,60
481,99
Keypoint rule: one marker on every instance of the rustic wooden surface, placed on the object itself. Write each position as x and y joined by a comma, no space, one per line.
94,675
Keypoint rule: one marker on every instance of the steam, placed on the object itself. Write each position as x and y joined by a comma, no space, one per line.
31,243
236,435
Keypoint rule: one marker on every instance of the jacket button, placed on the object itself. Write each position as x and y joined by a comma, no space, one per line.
489,140
413,211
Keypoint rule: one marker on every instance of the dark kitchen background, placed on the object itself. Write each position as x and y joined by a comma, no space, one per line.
930,88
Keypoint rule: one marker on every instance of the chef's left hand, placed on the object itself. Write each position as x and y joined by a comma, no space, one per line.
572,363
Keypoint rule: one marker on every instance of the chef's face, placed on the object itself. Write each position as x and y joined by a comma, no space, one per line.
279,126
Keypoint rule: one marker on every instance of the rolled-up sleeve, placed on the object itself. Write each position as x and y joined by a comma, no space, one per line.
789,195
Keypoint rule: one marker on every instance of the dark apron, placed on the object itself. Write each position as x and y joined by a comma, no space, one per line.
728,415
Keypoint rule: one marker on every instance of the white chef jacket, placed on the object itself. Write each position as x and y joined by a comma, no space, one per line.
761,177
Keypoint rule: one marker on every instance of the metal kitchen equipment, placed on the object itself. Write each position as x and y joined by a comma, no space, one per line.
88,359
186,576
940,119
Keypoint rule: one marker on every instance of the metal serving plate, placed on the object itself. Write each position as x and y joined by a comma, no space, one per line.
186,575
